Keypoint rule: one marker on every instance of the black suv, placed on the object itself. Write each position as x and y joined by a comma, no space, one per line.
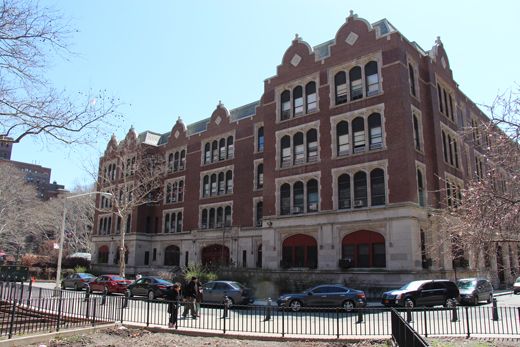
423,293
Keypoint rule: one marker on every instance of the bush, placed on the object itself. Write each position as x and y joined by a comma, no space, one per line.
199,271
80,269
73,262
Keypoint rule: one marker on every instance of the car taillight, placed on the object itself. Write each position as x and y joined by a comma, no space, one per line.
82,280
360,296
161,287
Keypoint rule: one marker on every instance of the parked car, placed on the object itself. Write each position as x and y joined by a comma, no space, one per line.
78,281
215,291
516,286
474,290
328,295
151,287
109,284
423,293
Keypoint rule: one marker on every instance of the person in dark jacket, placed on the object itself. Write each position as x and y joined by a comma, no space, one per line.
190,295
173,305
198,298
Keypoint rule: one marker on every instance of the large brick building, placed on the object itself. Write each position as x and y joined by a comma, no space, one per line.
336,166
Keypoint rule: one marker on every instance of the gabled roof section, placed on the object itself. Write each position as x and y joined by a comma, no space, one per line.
198,127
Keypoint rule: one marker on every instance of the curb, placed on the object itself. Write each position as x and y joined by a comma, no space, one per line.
503,293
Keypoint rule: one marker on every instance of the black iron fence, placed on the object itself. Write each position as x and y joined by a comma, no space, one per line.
25,309
403,334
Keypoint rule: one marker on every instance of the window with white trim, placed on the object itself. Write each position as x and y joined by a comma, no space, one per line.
363,81
298,101
174,191
215,216
218,150
172,221
300,196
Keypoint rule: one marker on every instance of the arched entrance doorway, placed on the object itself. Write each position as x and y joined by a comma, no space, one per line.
172,256
215,255
364,248
299,251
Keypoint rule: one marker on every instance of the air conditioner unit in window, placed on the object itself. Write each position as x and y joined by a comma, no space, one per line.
359,203
313,207
297,210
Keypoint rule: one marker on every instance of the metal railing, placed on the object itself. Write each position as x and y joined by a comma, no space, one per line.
402,332
24,309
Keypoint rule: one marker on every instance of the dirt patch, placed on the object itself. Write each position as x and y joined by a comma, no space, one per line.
124,337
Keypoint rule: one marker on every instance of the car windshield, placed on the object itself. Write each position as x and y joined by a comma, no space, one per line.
237,285
466,284
161,281
117,278
86,276
412,285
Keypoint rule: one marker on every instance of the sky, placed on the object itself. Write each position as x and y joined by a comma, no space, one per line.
170,59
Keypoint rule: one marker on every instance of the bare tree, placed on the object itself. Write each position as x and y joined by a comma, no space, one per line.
489,212
18,203
29,105
133,175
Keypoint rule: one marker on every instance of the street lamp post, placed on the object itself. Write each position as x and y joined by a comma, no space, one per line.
62,232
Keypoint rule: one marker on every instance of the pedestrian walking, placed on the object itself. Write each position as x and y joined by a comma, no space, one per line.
173,305
199,298
190,295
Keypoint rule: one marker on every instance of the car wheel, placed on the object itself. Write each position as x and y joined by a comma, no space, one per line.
348,305
408,303
450,302
295,305
151,295
490,298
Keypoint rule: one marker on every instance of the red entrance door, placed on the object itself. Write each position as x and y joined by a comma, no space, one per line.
215,255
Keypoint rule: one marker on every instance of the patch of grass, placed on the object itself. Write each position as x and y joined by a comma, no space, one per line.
69,341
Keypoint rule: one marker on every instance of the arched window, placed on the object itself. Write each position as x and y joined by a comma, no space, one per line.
299,251
176,162
312,196
214,151
221,184
174,192
375,131
358,134
365,249
103,255
416,134
207,153
229,182
215,255
340,84
214,184
260,176
172,255
310,94
412,79
298,198
173,222
181,191
285,104
344,191
259,213
182,164
227,216
230,147
179,222
260,145
205,182
204,219
222,149
360,189
286,151
211,222
420,188
342,138
312,145
168,197
220,217
298,100
377,187
299,150
167,223
372,78
285,199
170,162
356,83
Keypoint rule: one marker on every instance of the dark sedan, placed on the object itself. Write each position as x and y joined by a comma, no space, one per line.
151,287
109,284
327,295
78,281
